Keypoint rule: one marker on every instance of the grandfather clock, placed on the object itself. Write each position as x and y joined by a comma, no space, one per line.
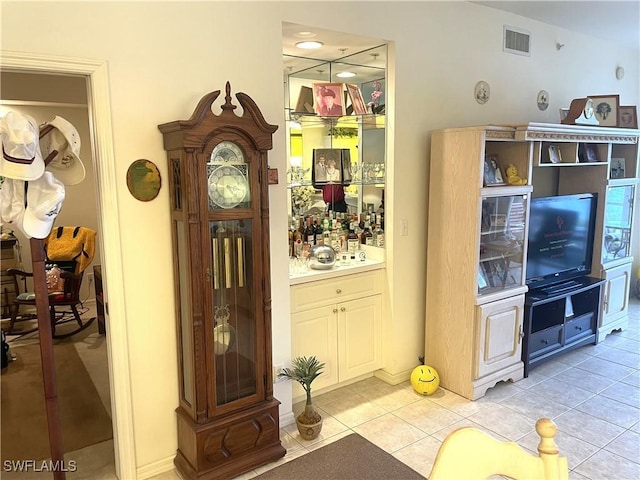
227,418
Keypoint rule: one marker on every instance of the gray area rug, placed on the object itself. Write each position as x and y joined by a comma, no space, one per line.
352,457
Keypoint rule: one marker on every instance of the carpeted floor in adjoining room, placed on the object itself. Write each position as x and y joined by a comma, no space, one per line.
84,401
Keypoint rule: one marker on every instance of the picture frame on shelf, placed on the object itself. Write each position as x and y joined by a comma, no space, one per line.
357,100
329,99
331,165
373,94
588,153
492,174
305,101
628,116
606,109
563,113
554,154
617,168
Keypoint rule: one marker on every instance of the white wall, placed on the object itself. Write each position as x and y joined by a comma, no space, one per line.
163,57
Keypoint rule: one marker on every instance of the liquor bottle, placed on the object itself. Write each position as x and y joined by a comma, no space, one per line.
367,234
352,241
335,238
298,239
317,230
309,233
292,229
379,235
326,232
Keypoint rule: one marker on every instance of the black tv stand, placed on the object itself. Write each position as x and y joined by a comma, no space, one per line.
559,318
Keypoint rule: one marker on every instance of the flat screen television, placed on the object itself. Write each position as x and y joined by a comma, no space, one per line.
560,243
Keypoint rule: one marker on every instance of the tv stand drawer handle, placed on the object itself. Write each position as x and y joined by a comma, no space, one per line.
545,342
579,328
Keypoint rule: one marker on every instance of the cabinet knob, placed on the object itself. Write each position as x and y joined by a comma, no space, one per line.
338,290
342,309
578,328
335,310
545,341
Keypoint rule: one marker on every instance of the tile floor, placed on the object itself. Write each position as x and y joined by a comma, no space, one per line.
592,393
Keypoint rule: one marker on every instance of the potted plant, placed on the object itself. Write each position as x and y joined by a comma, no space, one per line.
305,370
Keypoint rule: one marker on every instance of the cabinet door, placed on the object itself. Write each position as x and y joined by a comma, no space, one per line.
314,334
359,337
499,328
616,291
618,214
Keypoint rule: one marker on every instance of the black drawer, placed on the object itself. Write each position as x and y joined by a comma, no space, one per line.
578,327
545,340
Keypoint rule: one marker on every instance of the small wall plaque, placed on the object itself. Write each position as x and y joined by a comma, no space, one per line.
143,180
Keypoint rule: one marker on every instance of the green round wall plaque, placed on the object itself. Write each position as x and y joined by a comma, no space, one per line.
143,180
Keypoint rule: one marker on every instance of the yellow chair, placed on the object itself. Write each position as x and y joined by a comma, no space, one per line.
470,454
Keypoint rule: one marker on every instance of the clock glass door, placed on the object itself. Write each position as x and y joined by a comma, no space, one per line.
234,312
227,177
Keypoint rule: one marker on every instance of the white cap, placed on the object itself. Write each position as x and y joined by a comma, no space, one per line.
12,203
44,201
66,165
21,157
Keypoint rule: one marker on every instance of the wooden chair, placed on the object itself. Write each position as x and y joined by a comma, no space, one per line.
470,454
72,249
69,297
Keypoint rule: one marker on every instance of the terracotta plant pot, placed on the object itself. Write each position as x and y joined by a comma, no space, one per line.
309,431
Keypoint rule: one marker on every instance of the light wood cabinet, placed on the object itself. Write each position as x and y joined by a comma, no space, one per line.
475,260
339,321
612,174
477,242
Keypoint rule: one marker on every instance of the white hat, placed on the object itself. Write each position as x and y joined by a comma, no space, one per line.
21,157
66,166
44,201
12,203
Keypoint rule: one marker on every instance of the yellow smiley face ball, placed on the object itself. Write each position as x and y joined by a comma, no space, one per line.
425,379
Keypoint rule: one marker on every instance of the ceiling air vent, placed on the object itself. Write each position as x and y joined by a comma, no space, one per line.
517,41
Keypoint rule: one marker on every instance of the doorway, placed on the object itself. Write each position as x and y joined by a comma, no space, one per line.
95,74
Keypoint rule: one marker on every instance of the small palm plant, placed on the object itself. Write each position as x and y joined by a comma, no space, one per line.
305,370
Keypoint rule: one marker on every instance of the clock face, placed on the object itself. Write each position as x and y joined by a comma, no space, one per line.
228,186
227,152
588,108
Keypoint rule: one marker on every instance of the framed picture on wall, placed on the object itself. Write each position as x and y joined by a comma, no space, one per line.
606,109
331,165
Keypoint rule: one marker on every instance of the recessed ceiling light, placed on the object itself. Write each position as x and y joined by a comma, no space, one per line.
346,74
309,45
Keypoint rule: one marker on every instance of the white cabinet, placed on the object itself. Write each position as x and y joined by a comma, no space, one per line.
499,340
339,321
616,300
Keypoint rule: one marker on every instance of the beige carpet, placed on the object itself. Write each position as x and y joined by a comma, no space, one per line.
24,424
352,457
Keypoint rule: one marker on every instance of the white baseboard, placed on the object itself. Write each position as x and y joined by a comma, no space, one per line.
395,378
155,468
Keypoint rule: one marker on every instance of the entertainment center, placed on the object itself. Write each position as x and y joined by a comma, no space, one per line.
520,272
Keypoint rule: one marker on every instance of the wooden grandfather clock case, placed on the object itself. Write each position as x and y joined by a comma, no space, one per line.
218,179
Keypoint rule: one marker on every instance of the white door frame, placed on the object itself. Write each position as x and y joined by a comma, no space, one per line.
109,220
